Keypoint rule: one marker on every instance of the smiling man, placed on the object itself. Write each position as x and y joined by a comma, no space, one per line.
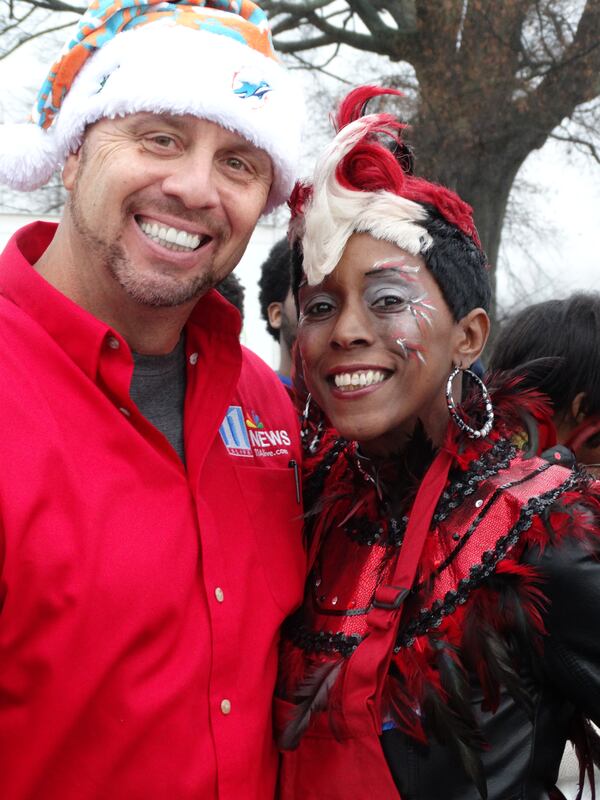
150,538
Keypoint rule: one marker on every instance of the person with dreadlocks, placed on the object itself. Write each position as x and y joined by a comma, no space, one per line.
446,647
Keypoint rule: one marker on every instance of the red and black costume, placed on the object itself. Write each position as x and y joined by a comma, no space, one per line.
469,683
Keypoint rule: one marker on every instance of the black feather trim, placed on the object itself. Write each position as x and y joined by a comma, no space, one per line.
312,695
452,720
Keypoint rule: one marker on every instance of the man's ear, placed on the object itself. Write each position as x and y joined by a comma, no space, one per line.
274,315
70,169
473,331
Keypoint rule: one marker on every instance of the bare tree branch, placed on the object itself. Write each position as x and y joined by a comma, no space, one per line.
57,5
31,36
584,144
296,10
574,79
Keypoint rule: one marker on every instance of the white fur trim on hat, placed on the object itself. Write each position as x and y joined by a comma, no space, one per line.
334,213
27,155
163,67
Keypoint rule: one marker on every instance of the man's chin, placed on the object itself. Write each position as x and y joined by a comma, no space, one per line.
162,293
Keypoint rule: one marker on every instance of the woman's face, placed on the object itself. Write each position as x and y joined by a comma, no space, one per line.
378,342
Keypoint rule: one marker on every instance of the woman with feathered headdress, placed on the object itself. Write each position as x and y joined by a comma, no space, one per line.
446,648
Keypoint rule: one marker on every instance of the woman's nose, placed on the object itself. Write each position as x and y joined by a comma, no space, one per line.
352,329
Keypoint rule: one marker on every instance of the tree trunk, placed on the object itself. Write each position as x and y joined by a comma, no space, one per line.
489,193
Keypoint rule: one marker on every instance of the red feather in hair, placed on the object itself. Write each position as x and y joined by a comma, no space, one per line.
371,167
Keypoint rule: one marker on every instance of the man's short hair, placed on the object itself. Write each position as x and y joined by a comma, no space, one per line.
275,281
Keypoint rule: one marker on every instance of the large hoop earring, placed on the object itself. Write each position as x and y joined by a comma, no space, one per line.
310,434
472,433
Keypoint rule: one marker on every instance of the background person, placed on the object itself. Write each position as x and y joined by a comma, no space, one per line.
149,518
447,643
555,346
232,289
277,305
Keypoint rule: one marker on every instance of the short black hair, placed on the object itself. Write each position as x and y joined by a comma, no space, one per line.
232,289
556,346
275,281
458,266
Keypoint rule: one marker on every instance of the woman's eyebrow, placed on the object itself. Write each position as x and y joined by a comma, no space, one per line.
395,265
406,274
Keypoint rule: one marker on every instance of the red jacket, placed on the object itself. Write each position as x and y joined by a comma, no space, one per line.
141,601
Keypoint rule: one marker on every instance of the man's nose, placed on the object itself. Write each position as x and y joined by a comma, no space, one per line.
193,179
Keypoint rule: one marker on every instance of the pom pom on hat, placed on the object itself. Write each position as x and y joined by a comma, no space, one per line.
28,156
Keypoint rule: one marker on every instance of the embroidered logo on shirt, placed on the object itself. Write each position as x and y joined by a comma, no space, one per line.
234,434
245,435
253,422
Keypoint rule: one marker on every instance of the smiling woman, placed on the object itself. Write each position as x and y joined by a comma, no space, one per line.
446,646
377,325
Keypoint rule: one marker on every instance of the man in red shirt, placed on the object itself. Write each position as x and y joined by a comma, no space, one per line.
149,506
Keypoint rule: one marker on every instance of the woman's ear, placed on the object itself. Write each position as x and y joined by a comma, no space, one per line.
577,406
473,331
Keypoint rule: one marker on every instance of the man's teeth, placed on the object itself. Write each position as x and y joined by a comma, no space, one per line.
356,380
171,238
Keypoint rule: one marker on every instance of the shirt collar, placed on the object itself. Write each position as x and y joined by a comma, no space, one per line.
76,331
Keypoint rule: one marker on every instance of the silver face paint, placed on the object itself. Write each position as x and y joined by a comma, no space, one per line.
407,351
387,263
420,310
418,307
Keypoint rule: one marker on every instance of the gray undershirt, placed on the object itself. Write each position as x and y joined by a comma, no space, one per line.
158,390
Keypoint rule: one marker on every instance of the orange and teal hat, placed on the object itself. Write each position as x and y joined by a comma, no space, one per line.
210,58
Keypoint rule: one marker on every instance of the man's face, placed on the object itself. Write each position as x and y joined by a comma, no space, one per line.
164,205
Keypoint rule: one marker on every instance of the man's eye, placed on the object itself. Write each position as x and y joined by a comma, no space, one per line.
161,142
164,141
237,164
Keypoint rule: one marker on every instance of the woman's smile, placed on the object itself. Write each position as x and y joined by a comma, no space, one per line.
353,380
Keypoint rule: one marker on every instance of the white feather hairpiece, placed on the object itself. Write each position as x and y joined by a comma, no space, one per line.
334,213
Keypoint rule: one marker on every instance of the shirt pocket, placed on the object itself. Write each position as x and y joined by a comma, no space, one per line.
276,519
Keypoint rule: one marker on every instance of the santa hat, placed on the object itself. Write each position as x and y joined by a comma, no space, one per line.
210,58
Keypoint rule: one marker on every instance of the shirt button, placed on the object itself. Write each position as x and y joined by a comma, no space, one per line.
225,706
125,412
113,343
194,359
219,594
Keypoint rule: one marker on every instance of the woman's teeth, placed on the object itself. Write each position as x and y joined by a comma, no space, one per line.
348,381
171,238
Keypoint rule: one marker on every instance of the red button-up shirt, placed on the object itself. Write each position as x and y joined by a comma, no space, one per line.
140,599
